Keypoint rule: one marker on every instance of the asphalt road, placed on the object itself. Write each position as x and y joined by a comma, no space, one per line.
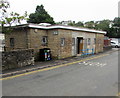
96,77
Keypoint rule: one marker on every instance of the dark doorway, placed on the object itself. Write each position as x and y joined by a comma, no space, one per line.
80,44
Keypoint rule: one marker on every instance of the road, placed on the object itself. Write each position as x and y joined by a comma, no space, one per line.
95,77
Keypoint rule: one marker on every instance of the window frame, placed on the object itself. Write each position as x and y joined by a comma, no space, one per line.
94,40
89,41
44,40
55,32
62,42
12,42
73,41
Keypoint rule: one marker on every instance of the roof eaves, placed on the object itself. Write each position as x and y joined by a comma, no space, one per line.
65,27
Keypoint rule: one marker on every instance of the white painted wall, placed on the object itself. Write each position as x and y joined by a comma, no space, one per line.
85,36
75,35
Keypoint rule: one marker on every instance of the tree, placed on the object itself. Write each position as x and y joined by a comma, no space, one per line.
71,23
79,24
9,18
116,26
103,25
111,33
3,6
90,24
40,16
116,22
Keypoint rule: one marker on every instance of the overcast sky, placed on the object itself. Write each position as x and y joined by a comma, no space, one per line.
76,10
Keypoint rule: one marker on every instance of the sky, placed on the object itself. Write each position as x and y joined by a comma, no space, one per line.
75,10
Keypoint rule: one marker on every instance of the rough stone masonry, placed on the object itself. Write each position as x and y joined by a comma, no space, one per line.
17,58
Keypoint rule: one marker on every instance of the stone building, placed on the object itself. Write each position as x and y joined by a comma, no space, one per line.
63,41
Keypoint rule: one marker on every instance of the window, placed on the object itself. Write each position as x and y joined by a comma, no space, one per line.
89,41
55,32
94,40
85,43
12,42
73,41
112,42
99,41
62,41
44,40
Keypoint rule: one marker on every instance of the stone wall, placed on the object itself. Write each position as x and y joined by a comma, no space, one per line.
107,48
99,43
35,40
27,38
66,50
20,39
54,43
17,58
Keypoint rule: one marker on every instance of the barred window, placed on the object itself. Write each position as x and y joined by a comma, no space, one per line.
12,42
44,40
89,41
94,40
62,42
73,41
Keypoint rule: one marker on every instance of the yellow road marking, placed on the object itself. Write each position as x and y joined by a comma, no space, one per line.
50,68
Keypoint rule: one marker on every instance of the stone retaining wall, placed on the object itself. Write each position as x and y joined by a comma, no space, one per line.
17,58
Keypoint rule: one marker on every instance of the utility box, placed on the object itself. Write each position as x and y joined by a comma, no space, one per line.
45,54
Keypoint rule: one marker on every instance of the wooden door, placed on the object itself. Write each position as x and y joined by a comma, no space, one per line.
81,45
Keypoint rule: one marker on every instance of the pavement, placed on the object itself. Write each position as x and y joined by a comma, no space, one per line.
42,65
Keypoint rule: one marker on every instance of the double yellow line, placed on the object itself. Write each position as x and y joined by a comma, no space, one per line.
50,68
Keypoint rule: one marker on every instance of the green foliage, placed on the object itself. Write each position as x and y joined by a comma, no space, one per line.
9,18
112,27
79,24
3,6
116,27
103,25
116,22
72,23
40,16
90,24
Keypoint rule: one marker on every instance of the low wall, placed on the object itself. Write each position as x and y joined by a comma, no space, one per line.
17,58
107,48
